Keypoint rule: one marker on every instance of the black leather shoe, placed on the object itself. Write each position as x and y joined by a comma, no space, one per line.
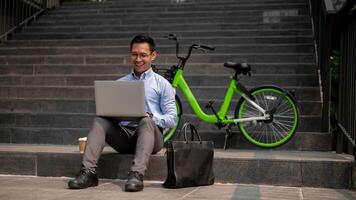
134,182
86,178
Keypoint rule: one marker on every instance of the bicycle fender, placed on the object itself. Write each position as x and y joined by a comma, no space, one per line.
285,92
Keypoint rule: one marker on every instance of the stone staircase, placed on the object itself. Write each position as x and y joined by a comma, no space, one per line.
47,70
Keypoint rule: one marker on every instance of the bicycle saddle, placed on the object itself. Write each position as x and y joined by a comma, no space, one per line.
239,68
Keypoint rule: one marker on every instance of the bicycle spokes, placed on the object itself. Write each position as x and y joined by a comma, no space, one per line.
276,130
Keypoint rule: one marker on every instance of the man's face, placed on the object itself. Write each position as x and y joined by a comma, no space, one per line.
141,57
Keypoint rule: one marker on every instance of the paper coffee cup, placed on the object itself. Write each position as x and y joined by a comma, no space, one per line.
82,142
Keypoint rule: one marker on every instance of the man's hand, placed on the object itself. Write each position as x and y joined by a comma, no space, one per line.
148,114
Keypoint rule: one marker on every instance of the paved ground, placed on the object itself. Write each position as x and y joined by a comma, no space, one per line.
41,188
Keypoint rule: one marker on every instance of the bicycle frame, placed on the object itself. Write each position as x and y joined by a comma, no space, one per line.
271,120
179,82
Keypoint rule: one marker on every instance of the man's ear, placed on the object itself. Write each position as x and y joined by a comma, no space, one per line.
154,55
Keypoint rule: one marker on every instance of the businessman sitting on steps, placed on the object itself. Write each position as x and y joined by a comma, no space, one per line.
141,138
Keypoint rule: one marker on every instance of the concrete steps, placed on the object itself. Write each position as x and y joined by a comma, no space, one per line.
47,70
194,68
47,73
283,80
164,58
175,16
305,141
80,120
172,7
87,92
176,3
163,20
286,168
301,141
38,28
205,33
167,49
163,41
186,7
56,105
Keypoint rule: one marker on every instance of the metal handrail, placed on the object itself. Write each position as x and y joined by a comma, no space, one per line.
336,28
329,7
346,116
18,13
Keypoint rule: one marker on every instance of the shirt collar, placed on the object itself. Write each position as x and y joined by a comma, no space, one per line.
144,75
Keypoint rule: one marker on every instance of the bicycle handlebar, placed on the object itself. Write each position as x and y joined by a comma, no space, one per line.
172,36
193,46
210,48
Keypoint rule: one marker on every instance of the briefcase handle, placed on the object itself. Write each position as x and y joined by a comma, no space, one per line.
193,131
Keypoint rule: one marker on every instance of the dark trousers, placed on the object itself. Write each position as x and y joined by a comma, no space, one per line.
143,140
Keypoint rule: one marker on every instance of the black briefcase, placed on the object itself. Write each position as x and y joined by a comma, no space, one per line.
189,163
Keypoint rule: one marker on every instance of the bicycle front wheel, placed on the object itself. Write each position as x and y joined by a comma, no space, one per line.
282,125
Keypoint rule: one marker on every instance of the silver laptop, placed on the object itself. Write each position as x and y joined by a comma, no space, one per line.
121,99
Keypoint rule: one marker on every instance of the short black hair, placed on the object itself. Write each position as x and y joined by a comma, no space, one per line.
142,39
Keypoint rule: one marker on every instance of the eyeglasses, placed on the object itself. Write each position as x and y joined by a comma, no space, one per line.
139,55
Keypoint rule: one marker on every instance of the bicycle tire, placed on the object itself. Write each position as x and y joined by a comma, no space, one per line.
169,133
274,132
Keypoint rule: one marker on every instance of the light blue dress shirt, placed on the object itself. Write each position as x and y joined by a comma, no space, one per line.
159,97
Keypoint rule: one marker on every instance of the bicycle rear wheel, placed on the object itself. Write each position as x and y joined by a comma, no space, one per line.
282,125
169,132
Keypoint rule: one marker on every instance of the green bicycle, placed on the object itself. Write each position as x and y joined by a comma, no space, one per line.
267,115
